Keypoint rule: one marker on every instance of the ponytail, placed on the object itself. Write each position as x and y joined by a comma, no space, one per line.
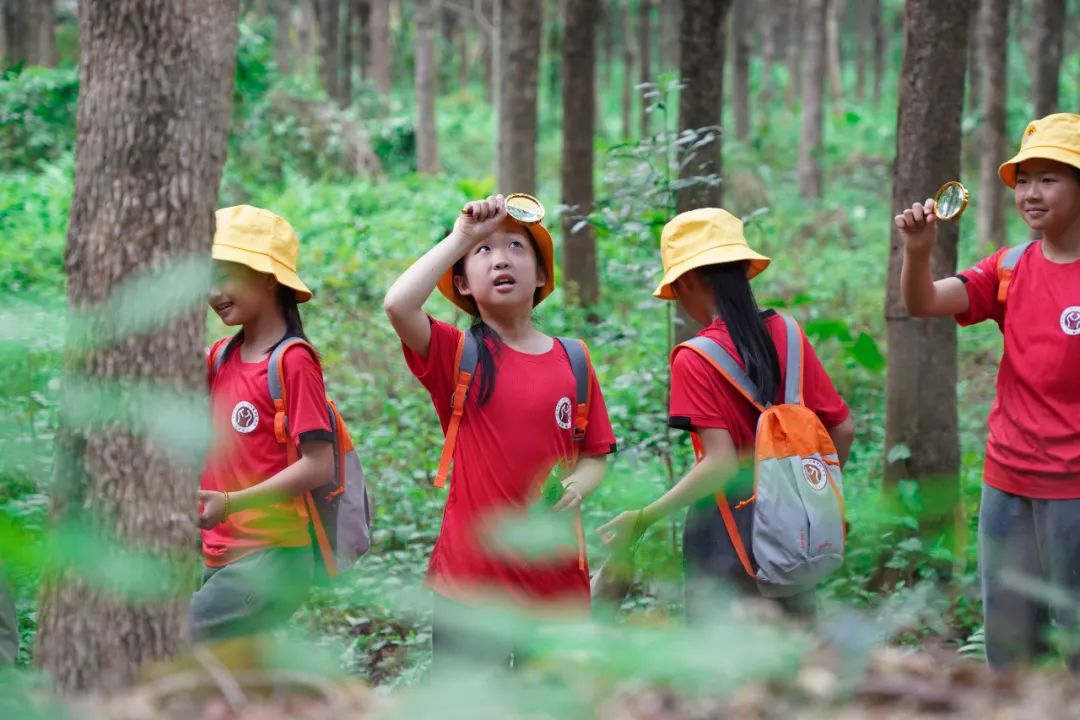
736,306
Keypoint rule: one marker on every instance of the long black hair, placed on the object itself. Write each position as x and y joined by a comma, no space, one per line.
294,324
736,306
482,333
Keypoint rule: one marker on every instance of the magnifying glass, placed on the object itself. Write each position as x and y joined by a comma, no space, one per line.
950,201
524,209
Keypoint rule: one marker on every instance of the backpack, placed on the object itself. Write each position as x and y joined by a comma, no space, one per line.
798,530
340,510
1006,265
465,361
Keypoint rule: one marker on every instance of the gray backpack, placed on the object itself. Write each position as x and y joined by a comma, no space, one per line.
798,530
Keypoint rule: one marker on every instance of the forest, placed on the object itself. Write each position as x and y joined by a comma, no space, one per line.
368,125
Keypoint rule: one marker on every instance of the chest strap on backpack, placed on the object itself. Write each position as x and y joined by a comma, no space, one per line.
465,360
1006,267
732,371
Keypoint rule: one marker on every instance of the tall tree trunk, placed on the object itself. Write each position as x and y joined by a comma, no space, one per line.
670,24
463,56
46,44
974,64
379,44
863,40
645,74
488,43
921,409
283,41
579,89
363,34
308,34
772,31
147,170
796,14
519,67
19,19
330,30
993,32
1048,41
427,151
832,38
740,90
813,96
347,58
629,51
881,47
701,68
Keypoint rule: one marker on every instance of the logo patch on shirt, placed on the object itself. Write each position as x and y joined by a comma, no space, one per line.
1070,320
815,473
244,417
562,413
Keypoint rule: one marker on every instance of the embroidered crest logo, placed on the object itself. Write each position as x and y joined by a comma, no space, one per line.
245,417
815,472
562,413
1070,320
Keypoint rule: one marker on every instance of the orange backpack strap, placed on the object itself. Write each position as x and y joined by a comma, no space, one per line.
724,507
215,356
724,364
1007,266
578,354
465,360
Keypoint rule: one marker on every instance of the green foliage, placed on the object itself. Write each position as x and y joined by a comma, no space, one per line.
37,116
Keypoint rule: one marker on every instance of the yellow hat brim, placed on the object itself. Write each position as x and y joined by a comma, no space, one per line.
711,256
546,247
261,262
1068,156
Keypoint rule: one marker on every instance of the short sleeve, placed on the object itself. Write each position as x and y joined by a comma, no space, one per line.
819,393
599,436
305,397
436,371
700,396
981,283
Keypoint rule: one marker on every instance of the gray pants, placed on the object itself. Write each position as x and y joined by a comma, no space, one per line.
253,594
1029,571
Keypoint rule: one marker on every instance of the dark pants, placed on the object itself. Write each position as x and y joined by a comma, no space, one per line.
715,577
478,637
1029,571
253,594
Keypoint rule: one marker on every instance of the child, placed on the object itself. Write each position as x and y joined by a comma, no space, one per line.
259,560
515,427
1029,521
707,268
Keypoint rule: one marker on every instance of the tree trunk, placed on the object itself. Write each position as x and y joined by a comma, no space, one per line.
463,56
282,41
974,65
46,44
578,91
740,90
863,40
1048,41
629,51
147,170
813,95
488,43
308,34
772,30
796,12
645,75
427,152
881,47
993,32
330,31
921,412
363,33
670,24
832,37
347,58
18,31
379,44
519,35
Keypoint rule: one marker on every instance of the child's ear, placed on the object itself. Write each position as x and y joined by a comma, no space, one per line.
461,284
541,276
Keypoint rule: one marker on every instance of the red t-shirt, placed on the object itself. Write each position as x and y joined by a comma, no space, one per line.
504,452
244,451
1033,448
702,398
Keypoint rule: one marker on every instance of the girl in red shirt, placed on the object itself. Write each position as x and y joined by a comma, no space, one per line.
259,560
707,269
1029,515
514,431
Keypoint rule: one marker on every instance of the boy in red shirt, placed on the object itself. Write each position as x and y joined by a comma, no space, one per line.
1029,521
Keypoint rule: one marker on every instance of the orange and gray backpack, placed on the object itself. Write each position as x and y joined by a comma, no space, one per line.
340,510
798,530
1007,266
465,361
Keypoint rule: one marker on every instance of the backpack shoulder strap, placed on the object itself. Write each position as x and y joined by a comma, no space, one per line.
465,360
275,378
1006,266
725,364
215,356
793,371
578,353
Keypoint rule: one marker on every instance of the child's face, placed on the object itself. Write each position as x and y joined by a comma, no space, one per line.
1047,195
501,271
239,294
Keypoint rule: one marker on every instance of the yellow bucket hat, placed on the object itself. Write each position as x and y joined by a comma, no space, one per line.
1054,137
544,244
262,241
706,236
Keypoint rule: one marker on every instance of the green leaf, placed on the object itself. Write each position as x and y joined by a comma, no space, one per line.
866,353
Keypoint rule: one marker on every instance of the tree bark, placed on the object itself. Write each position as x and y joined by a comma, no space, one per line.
921,409
519,73
427,152
836,77
579,89
379,43
329,13
645,74
156,81
347,57
19,24
813,95
308,34
993,32
1048,42
974,63
670,24
881,47
283,41
629,53
46,44
740,90
772,39
796,42
863,41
